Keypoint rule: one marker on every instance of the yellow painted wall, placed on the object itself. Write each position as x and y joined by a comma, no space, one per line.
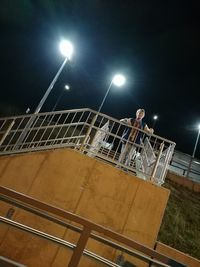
82,185
177,255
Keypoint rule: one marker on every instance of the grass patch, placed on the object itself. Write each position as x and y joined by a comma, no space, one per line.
180,228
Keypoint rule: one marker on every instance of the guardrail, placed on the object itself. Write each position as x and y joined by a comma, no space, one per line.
86,231
92,133
185,165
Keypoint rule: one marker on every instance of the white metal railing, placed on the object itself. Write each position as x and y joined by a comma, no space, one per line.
92,133
185,165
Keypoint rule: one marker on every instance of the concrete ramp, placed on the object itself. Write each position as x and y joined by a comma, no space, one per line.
85,186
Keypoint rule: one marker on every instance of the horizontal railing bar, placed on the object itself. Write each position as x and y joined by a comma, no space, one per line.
56,240
69,245
33,149
57,139
36,232
185,169
54,126
86,223
47,113
74,228
49,140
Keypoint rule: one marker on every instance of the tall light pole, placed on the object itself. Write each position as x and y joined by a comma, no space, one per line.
197,139
66,48
193,153
66,88
155,118
117,80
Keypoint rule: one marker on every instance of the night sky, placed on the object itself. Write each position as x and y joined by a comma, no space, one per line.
155,44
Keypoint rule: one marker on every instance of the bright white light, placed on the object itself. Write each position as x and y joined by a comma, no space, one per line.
66,48
119,80
155,117
67,87
199,127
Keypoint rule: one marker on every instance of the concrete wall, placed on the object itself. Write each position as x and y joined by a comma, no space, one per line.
177,255
183,181
82,185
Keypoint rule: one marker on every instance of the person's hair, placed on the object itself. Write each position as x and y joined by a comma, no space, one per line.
140,110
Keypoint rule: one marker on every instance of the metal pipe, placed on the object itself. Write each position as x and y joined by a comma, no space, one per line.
157,162
7,132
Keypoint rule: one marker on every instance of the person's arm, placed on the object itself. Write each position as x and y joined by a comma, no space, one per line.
126,121
148,130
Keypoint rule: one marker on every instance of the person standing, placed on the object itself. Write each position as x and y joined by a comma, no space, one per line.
132,136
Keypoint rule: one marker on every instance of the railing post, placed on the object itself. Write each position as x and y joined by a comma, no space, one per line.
78,251
7,132
157,162
166,163
88,132
189,167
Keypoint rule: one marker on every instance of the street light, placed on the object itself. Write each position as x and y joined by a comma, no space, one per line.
155,117
66,48
118,80
197,139
66,88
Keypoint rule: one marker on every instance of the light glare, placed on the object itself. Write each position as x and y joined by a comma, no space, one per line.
155,117
66,49
67,87
119,80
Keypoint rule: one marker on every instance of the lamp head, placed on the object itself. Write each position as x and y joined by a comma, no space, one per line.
119,80
67,87
66,49
155,117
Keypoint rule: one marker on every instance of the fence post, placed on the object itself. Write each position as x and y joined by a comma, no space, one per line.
189,167
88,132
78,251
157,162
166,163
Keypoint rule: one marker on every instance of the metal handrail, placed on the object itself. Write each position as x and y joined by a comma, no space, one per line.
84,129
68,226
185,165
88,227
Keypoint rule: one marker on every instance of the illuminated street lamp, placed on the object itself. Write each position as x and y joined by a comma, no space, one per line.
118,80
66,88
66,49
197,139
155,118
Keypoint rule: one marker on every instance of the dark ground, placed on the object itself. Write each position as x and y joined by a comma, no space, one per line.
181,224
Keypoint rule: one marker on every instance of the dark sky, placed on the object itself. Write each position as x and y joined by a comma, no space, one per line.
155,44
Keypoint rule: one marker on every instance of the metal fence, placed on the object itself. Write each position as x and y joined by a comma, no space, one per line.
185,165
92,133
